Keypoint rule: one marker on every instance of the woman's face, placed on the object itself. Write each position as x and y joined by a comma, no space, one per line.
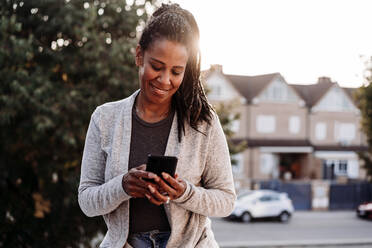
161,70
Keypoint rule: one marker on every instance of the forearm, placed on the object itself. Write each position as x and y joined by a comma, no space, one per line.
216,195
213,202
101,199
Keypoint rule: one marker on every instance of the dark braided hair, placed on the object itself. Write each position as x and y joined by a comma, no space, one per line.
172,22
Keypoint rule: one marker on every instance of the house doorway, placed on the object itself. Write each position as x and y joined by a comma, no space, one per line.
328,169
290,166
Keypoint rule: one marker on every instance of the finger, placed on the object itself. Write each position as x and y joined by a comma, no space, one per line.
141,167
136,191
178,186
166,188
154,185
155,194
153,200
143,174
138,182
172,181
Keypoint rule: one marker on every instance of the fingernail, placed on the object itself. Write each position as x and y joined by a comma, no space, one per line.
165,175
151,175
151,189
148,197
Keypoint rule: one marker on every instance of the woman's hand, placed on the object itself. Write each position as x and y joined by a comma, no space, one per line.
133,183
172,191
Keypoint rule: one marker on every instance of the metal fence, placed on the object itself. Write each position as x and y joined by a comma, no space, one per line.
349,196
299,193
341,196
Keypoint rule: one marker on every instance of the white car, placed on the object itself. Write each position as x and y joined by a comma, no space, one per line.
263,204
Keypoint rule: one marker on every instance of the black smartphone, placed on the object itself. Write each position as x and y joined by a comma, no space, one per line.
158,164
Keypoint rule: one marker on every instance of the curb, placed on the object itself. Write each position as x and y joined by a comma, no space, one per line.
297,243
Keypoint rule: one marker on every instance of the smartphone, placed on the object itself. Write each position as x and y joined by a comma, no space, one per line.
158,164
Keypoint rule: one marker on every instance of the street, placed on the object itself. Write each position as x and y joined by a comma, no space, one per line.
305,229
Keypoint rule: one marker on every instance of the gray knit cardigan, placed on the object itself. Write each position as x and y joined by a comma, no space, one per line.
203,162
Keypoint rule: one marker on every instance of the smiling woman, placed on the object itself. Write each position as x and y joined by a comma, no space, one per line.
169,115
161,72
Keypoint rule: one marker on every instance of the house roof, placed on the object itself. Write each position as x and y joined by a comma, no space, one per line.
314,92
251,86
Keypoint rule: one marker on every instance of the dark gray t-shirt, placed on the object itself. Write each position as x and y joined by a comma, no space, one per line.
147,138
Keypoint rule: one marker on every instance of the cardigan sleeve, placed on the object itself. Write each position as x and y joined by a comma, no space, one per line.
97,197
216,196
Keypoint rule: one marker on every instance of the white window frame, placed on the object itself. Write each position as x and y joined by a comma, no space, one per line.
321,130
238,168
294,124
265,124
340,166
235,124
344,132
269,163
336,100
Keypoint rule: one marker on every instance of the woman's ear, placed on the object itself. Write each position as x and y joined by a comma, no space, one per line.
139,56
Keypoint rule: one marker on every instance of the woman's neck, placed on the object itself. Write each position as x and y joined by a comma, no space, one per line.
151,112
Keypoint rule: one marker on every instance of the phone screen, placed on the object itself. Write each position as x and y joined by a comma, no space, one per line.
158,164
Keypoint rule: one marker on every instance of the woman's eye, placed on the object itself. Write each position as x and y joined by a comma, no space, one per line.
176,73
155,68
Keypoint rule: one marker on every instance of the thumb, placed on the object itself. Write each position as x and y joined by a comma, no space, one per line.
141,167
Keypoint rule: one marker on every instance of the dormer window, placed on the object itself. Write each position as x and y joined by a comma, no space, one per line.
278,91
217,90
336,101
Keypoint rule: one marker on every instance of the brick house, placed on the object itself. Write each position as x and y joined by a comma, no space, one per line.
293,132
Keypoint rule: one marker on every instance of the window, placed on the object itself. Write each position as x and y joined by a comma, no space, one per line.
275,197
268,198
353,168
217,90
335,100
238,163
265,198
320,131
294,124
344,132
235,124
265,124
269,164
346,104
342,167
279,91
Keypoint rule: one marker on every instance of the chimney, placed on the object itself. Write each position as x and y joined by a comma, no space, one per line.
324,80
216,67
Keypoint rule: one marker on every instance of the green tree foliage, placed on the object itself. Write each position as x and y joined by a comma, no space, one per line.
59,59
228,116
364,99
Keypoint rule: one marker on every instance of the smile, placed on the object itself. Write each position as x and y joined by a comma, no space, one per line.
159,90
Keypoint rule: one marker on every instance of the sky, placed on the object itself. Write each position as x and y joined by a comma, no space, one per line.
301,39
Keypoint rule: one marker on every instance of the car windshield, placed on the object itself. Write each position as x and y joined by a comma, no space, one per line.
244,195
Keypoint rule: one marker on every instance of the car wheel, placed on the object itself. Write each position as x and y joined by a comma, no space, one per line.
246,217
284,217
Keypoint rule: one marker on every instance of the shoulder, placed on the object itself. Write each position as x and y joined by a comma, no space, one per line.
213,123
204,129
109,111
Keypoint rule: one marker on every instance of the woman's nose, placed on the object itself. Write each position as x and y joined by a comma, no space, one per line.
164,78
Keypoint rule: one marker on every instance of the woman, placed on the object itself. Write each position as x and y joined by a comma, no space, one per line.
169,115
